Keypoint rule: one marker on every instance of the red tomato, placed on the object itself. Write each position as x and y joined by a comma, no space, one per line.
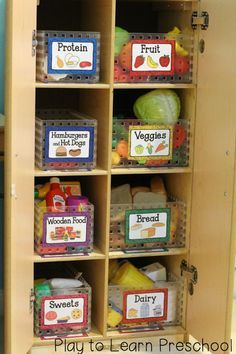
181,65
164,61
125,56
51,315
179,136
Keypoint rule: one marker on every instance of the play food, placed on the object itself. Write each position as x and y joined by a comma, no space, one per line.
122,148
174,34
121,37
125,57
161,106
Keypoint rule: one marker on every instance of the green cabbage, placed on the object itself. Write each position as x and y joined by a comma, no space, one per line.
158,107
121,37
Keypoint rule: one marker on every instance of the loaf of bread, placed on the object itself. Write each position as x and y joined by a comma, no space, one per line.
153,199
157,185
121,195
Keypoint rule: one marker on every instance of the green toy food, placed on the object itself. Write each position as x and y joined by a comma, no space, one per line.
158,107
121,37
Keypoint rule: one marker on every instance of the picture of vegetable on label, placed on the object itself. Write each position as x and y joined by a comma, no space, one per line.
156,137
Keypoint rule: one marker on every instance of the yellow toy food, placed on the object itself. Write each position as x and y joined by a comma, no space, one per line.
114,317
178,48
115,158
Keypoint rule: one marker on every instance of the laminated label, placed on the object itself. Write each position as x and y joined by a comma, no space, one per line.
152,57
64,310
72,55
150,141
69,144
145,305
147,225
70,229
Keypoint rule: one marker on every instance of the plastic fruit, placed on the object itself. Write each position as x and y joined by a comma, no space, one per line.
181,65
179,136
178,48
158,107
121,37
125,56
115,158
122,148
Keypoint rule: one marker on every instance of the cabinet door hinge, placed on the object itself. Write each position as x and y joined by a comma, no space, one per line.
201,19
34,43
191,273
32,297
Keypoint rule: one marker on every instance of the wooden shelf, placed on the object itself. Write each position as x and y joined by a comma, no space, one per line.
96,254
68,85
170,252
161,170
93,334
153,86
96,172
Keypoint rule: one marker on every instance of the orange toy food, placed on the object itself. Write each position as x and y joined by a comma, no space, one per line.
125,56
122,148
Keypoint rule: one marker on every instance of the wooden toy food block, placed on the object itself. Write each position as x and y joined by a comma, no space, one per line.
68,56
62,311
147,226
68,232
146,308
152,57
65,140
137,144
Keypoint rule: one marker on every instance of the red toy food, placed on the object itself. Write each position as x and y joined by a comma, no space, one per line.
164,61
179,136
125,56
181,65
139,61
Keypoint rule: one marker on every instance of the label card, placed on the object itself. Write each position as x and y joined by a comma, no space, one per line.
64,310
69,144
152,57
150,141
147,225
145,305
72,56
70,229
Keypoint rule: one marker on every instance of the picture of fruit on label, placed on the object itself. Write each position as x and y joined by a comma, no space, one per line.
152,56
51,315
71,60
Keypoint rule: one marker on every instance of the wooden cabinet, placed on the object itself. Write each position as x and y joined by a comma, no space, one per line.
207,185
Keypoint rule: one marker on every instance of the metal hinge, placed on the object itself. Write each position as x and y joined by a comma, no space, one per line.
201,19
32,297
34,43
190,272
